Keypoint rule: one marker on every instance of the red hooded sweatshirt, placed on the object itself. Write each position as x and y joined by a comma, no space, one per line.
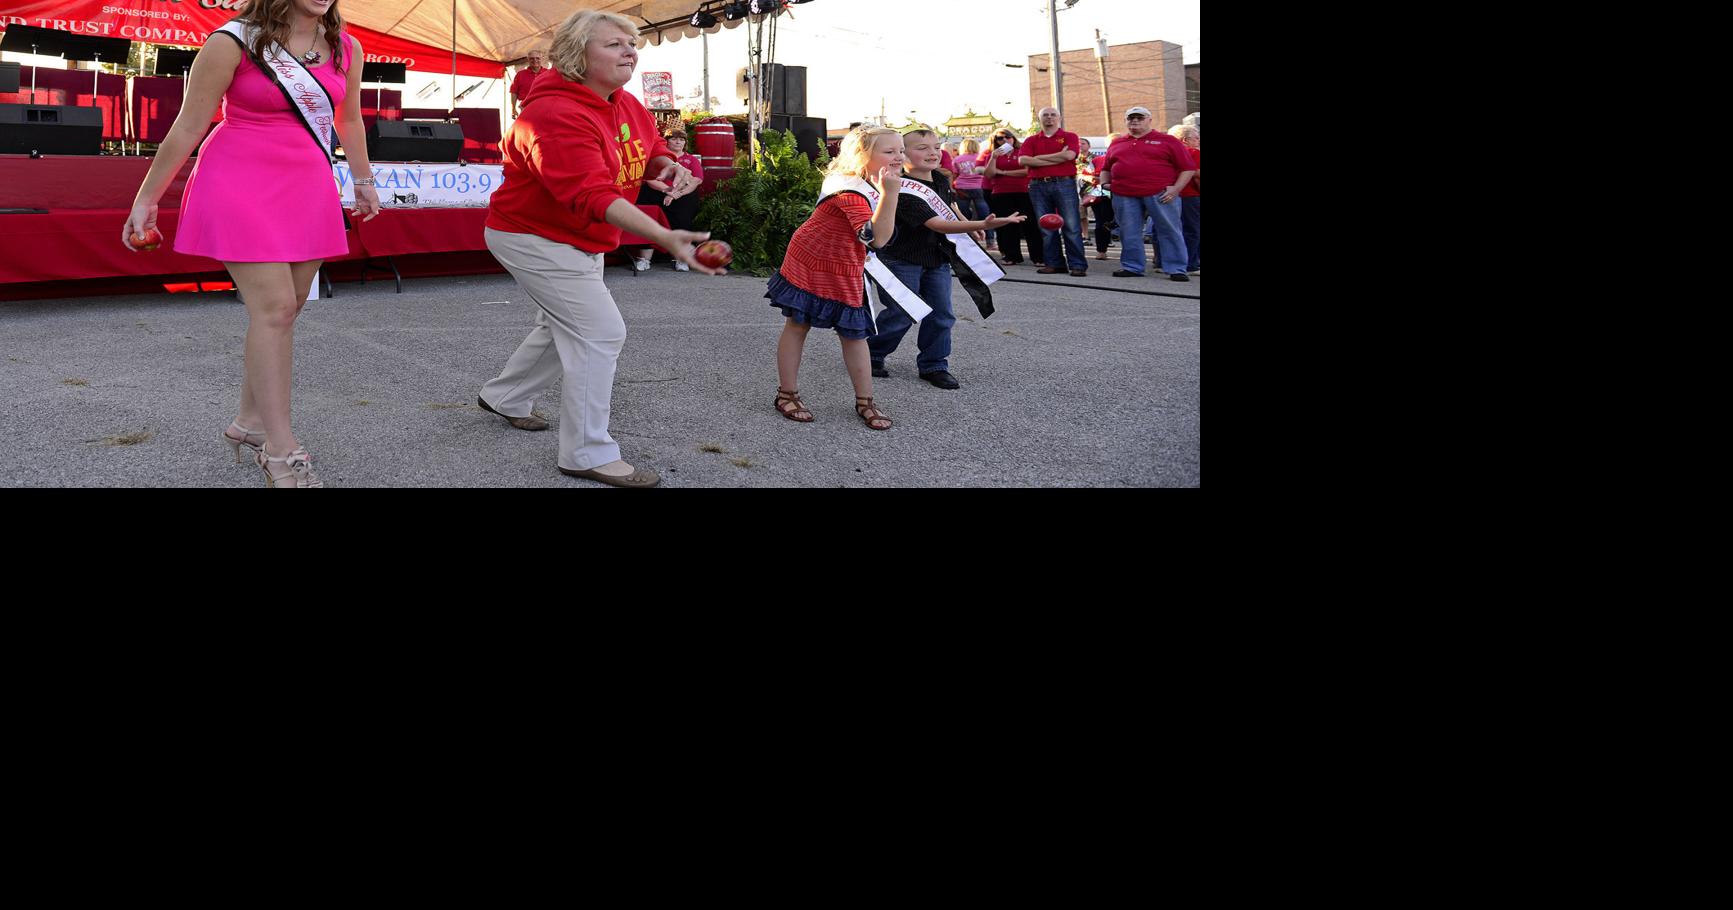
567,158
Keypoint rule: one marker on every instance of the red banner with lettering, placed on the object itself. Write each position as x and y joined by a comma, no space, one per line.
190,22
382,48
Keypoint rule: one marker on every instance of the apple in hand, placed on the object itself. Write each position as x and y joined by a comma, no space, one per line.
714,254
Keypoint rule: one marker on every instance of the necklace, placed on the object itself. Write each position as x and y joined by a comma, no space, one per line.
311,57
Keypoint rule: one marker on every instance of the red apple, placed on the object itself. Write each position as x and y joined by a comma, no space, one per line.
1052,222
149,240
714,254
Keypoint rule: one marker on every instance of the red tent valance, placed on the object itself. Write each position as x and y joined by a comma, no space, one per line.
192,23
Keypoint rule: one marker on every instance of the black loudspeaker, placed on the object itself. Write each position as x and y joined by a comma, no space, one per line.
50,129
770,84
9,76
808,131
785,87
394,73
170,62
414,140
792,101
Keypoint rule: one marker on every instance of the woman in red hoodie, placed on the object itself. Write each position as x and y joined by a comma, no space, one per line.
574,160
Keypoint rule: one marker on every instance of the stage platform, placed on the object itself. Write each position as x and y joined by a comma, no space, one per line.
68,242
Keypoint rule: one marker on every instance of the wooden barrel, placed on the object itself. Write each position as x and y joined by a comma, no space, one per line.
713,140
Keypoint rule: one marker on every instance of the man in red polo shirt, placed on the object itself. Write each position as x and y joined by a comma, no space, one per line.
1051,157
1146,171
520,87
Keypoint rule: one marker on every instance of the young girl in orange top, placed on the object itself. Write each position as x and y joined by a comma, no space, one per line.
820,283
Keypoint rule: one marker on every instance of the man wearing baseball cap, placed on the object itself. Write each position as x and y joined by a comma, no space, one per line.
1145,170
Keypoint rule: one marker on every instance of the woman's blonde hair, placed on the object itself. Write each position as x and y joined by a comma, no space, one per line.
971,147
567,55
270,18
857,148
1182,132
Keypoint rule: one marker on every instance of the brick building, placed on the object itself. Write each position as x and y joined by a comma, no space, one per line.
1150,73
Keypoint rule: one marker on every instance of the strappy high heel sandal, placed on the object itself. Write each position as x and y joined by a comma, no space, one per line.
788,405
297,471
870,413
245,441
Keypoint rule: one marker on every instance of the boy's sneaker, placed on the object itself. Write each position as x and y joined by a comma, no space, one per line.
681,266
640,265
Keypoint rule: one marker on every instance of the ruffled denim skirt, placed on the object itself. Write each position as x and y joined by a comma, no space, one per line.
819,312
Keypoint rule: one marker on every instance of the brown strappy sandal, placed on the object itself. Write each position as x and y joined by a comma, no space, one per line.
795,410
870,413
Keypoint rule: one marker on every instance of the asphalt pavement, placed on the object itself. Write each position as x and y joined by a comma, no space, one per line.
1073,382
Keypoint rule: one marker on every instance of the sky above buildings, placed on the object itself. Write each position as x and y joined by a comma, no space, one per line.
933,58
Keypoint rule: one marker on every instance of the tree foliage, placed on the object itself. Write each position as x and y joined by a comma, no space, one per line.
758,211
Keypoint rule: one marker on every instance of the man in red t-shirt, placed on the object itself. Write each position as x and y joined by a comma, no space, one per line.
520,87
1145,171
1051,157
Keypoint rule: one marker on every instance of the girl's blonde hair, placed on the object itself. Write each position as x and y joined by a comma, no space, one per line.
567,55
857,148
971,147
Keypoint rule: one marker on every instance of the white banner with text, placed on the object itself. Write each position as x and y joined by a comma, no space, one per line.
426,186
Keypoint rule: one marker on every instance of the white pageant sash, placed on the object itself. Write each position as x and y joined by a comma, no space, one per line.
876,270
970,251
306,95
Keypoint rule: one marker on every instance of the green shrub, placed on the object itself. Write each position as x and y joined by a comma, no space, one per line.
758,211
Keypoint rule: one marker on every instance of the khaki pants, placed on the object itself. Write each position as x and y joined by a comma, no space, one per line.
578,335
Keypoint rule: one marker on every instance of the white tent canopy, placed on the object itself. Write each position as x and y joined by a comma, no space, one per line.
507,32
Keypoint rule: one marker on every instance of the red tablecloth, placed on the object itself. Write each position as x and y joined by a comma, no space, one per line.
72,245
67,245
80,182
400,231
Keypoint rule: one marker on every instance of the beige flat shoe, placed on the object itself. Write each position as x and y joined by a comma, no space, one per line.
531,422
640,478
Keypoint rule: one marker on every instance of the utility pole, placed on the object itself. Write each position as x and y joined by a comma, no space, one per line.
755,93
1101,63
705,37
1058,78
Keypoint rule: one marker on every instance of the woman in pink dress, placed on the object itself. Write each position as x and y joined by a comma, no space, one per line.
262,199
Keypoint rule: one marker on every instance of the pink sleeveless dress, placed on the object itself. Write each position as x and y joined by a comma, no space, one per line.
262,191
